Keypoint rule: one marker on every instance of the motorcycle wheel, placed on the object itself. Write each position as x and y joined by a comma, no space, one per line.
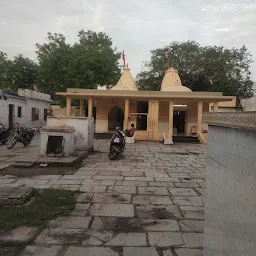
11,143
112,155
27,141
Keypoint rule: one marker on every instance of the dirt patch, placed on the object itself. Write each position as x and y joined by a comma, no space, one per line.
118,197
70,238
10,251
29,172
122,225
162,213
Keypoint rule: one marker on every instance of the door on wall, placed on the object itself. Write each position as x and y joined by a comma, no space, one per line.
115,118
179,122
11,115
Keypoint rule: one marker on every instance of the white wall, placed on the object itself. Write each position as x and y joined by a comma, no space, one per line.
230,223
26,112
84,129
4,110
249,104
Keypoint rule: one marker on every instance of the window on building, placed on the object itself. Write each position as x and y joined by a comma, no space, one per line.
35,114
47,112
19,111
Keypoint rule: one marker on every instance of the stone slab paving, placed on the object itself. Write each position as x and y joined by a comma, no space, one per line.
149,202
32,250
19,234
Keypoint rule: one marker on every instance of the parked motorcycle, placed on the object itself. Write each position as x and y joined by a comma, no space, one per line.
5,134
22,135
117,144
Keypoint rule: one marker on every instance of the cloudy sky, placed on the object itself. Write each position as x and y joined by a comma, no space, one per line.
134,25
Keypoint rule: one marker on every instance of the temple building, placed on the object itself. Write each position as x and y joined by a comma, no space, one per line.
174,111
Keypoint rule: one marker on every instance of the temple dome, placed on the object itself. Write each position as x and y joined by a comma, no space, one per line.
171,82
126,82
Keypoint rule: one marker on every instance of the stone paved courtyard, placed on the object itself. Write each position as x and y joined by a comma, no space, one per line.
148,203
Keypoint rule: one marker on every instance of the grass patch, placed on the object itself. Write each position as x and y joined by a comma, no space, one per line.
46,204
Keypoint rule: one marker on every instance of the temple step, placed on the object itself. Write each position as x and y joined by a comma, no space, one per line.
179,138
185,139
103,135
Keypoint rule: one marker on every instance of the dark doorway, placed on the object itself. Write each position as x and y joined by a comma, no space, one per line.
179,121
55,145
142,115
11,115
115,118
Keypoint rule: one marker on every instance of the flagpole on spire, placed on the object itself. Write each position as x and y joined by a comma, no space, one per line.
168,59
123,57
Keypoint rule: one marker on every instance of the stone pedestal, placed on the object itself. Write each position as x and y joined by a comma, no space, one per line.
66,132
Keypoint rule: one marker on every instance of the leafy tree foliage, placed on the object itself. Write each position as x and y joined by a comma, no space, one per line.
89,63
20,72
209,68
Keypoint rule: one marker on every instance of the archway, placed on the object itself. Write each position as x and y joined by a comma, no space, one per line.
115,117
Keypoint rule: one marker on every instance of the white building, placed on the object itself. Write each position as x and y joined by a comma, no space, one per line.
28,108
249,104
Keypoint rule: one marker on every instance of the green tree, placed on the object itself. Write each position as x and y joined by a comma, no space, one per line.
23,72
209,68
20,72
5,63
89,63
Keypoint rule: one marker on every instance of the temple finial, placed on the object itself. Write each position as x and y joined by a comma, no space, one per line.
123,57
168,59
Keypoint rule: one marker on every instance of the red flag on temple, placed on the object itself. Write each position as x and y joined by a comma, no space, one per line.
123,57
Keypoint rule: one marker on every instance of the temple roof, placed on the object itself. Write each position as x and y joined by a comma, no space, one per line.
172,83
126,82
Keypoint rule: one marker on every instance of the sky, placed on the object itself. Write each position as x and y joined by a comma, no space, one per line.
137,26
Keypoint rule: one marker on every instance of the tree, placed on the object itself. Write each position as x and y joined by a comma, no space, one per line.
5,63
89,63
209,68
23,72
20,72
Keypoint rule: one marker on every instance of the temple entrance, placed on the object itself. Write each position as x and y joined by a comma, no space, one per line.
115,118
179,122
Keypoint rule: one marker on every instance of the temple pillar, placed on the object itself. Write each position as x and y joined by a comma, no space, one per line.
215,107
68,105
126,113
170,131
81,107
199,116
168,140
90,107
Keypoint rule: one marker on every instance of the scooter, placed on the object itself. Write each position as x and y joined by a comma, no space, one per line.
22,135
117,144
5,134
